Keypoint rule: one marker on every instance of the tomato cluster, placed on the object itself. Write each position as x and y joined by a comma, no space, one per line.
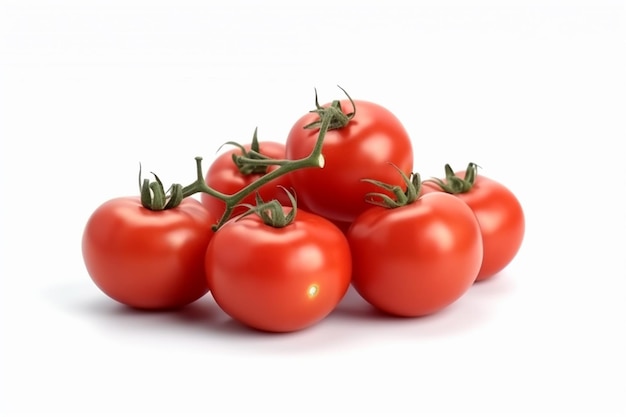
283,229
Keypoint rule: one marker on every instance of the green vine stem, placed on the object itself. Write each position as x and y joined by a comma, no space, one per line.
154,197
314,160
338,118
252,161
271,212
402,197
454,184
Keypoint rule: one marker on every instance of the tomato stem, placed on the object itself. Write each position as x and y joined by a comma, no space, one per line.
154,197
314,160
272,212
453,184
252,161
249,161
402,197
338,118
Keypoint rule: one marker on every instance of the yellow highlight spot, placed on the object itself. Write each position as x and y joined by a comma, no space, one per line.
313,290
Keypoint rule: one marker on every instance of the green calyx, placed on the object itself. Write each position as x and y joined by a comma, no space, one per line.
402,197
338,118
250,162
271,212
453,184
154,197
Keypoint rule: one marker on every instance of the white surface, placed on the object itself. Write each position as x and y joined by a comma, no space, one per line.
533,91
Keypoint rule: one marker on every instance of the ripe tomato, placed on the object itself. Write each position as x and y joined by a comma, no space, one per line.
278,279
148,259
363,148
224,176
418,258
499,215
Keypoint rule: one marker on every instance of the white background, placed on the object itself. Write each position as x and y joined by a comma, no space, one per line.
533,91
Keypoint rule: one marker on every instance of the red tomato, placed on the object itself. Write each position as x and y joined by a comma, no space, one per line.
224,176
148,259
416,259
362,149
278,279
500,217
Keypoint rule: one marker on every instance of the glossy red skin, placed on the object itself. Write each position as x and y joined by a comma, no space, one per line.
362,149
417,259
501,219
148,259
262,276
224,176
